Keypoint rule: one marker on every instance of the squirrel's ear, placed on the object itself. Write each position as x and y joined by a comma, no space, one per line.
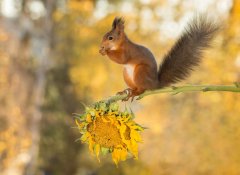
118,24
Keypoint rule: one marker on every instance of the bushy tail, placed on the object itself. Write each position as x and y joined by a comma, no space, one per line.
187,51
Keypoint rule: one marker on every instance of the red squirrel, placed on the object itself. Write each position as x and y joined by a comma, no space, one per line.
140,68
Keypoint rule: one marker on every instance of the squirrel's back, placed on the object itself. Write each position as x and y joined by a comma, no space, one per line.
187,51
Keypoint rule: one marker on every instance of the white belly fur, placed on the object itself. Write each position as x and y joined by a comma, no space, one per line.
129,70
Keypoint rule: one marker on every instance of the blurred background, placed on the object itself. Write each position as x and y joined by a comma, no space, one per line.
50,65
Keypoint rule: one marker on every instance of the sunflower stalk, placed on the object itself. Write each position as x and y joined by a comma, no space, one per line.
180,89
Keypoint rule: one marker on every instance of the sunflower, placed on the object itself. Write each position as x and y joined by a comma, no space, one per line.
106,129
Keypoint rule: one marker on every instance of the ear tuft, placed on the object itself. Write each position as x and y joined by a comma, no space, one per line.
118,22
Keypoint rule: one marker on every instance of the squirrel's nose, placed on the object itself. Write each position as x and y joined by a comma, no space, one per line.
102,50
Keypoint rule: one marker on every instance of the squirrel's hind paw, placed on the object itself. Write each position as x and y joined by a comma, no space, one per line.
128,92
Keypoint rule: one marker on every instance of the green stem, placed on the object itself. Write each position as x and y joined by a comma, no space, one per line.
179,89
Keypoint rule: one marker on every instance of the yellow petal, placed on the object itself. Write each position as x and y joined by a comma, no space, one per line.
138,127
133,148
97,151
89,118
111,120
135,135
84,137
91,146
97,114
115,156
123,154
131,123
80,125
122,130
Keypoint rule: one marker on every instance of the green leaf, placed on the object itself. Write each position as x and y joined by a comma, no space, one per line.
114,106
77,140
80,117
103,106
125,113
104,151
77,115
84,105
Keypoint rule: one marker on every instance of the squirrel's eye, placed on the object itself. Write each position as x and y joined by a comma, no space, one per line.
110,38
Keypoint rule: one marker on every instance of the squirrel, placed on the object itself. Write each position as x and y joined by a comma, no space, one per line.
140,68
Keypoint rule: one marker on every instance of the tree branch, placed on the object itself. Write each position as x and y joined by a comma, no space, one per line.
179,89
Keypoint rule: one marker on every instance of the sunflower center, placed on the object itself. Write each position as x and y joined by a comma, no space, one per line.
106,134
